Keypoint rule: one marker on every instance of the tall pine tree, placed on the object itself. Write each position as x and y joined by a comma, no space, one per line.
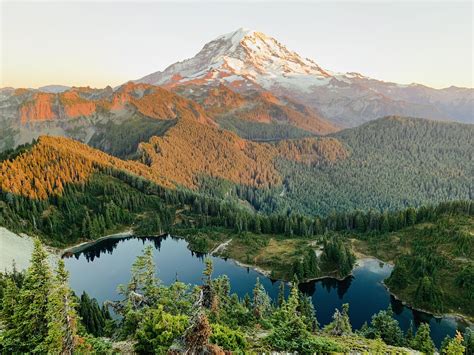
61,315
29,324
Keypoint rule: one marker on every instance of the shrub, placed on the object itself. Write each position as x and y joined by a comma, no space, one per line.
227,338
158,329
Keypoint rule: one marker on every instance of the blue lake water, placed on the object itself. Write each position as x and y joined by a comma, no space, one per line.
99,268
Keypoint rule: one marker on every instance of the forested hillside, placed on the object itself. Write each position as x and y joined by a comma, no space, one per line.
64,191
189,150
433,259
394,163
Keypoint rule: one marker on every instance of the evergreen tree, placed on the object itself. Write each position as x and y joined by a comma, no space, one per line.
387,328
312,263
341,324
141,291
29,323
9,301
247,301
298,269
410,333
93,317
61,315
309,313
207,287
290,331
453,346
444,344
261,301
427,292
281,294
422,340
468,341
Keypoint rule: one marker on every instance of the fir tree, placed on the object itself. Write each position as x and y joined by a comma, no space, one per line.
207,287
341,324
410,333
9,302
309,313
281,294
93,317
290,331
29,323
141,291
453,346
422,340
61,315
468,341
387,328
261,301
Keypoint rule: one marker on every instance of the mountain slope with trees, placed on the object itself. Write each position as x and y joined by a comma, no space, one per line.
434,267
394,163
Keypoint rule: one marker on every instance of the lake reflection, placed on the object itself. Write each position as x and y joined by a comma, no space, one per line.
99,268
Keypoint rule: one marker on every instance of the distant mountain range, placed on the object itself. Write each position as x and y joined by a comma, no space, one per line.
246,82
250,60
249,120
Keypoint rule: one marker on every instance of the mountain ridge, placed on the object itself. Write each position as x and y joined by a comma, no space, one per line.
388,163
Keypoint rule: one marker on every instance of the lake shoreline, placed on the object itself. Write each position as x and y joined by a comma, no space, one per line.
75,248
454,316
360,258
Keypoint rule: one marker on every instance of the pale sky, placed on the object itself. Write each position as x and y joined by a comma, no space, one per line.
96,44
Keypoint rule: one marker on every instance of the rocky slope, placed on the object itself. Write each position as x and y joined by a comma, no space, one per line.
222,102
112,119
85,113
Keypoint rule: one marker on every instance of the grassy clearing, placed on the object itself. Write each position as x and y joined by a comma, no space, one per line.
272,253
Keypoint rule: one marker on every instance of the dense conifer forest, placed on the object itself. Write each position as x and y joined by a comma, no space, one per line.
392,163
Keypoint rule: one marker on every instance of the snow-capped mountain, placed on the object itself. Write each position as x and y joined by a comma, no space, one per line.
247,59
244,58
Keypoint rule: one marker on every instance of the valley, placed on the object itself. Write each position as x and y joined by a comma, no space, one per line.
246,196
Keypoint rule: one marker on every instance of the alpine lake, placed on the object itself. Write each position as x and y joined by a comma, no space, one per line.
99,267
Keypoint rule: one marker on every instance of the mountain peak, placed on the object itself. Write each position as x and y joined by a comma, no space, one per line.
237,35
244,57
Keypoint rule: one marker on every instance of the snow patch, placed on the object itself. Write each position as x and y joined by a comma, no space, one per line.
17,249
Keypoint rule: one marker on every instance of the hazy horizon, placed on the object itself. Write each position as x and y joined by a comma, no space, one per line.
96,44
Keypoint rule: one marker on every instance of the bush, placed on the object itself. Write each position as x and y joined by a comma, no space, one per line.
227,338
320,345
158,329
96,346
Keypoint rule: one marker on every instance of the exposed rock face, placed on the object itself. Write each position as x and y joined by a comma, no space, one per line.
76,106
256,105
39,108
79,113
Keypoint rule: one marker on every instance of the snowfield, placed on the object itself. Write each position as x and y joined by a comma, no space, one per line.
17,248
